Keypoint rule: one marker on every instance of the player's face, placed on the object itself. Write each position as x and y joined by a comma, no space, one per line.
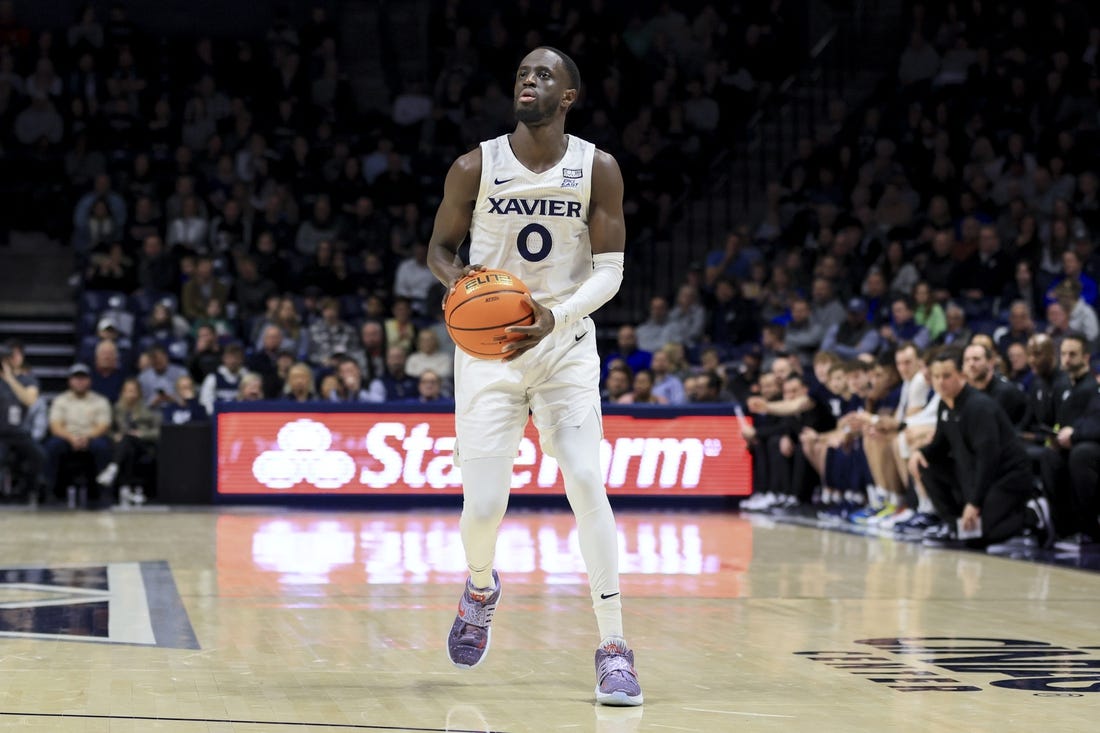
540,85
906,362
792,389
857,382
838,381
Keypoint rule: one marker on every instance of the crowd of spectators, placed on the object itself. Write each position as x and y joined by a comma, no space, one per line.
245,229
924,216
959,209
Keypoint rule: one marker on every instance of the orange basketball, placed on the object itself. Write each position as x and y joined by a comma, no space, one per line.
482,305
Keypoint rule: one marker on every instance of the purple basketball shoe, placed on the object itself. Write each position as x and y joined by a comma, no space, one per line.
616,680
468,641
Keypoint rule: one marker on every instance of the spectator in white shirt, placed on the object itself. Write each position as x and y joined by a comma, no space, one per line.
658,329
413,279
666,385
688,316
429,357
190,228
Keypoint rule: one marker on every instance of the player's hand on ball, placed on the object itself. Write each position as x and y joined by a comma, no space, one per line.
533,334
465,273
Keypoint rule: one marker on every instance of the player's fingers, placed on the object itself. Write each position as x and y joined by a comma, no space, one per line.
512,351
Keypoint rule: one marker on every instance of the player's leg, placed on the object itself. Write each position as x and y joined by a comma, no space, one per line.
490,414
577,449
485,485
566,412
879,450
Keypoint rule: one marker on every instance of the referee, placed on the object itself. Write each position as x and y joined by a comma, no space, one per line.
975,469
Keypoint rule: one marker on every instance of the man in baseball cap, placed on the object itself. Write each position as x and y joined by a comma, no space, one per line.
79,421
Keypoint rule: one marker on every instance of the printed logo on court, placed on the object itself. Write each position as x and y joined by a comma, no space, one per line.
109,604
958,664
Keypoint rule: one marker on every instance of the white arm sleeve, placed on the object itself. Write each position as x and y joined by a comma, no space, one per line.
600,287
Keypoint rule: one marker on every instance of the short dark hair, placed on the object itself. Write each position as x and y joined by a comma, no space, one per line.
905,346
570,66
985,349
622,368
1079,338
345,359
902,298
952,354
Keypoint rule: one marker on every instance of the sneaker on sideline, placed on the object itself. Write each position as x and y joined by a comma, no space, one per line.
1026,541
108,475
942,535
758,502
862,516
902,515
786,505
882,514
1041,507
918,524
468,642
1077,544
616,681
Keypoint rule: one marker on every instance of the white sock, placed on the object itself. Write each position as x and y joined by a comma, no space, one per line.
485,486
616,639
609,614
577,450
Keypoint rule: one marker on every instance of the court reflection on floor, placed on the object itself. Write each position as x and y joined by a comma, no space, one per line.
300,555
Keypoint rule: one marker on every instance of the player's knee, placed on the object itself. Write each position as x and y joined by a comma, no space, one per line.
585,491
484,508
586,477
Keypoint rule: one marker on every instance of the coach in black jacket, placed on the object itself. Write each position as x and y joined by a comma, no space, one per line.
1084,471
1044,369
1072,393
975,467
980,374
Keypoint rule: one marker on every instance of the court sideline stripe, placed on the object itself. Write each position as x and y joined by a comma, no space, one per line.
157,718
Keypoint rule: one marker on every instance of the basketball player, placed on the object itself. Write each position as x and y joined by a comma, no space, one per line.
547,207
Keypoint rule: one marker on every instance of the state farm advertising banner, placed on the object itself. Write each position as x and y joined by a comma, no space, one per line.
392,453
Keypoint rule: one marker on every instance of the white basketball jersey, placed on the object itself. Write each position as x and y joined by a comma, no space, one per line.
535,225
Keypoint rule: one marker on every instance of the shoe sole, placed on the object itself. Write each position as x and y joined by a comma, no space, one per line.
618,699
488,641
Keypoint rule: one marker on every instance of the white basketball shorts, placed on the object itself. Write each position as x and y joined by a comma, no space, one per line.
557,382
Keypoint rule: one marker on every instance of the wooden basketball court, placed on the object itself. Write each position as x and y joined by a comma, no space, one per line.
295,621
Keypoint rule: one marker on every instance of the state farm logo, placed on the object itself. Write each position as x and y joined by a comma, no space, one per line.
395,453
304,455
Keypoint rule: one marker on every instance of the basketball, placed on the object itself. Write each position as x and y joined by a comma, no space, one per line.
482,305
